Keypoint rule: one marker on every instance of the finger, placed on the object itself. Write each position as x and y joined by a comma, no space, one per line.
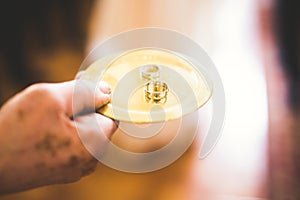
89,96
95,131
104,87
79,74
80,96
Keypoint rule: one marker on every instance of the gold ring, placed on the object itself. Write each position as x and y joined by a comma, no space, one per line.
156,91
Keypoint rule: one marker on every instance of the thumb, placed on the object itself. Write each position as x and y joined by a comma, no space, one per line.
80,96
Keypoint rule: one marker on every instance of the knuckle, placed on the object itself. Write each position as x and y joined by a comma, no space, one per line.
39,89
43,96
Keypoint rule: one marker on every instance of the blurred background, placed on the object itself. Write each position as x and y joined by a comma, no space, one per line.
41,41
46,41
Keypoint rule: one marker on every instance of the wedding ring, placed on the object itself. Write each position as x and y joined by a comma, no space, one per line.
150,71
156,91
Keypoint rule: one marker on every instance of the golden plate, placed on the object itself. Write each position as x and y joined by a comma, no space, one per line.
150,85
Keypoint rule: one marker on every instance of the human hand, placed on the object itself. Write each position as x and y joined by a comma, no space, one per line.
39,144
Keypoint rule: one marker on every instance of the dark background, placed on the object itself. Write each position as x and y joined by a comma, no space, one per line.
40,41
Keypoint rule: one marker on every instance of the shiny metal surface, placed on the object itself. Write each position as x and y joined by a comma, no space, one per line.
185,90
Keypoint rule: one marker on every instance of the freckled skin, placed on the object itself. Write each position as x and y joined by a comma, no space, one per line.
40,165
39,143
51,143
47,144
73,161
21,115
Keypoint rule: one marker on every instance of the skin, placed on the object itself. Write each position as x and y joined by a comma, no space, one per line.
38,129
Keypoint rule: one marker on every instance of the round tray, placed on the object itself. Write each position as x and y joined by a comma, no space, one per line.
150,85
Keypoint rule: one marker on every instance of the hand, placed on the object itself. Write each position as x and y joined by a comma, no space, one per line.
39,143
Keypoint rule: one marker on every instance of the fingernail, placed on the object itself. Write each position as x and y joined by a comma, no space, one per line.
105,87
107,97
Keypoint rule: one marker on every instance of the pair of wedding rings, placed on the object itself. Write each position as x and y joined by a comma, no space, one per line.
155,90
